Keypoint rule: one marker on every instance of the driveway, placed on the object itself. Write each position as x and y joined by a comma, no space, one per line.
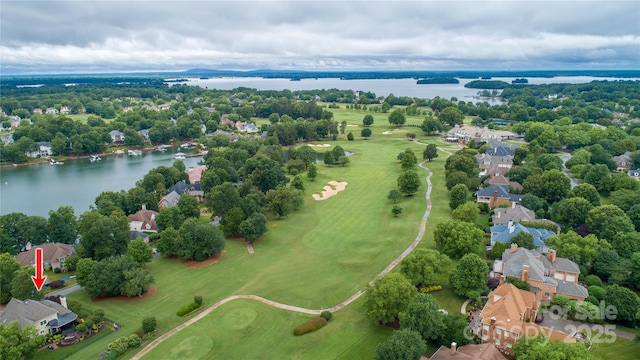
66,291
597,333
573,180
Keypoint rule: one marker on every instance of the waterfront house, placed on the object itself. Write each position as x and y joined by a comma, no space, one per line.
195,173
143,220
53,254
145,134
116,136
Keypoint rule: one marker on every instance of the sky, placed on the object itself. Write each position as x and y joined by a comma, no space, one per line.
104,36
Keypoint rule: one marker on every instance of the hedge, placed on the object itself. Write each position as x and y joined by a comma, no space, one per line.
55,284
188,309
311,325
429,289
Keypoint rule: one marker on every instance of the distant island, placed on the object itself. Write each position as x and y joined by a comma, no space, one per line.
520,81
438,80
486,84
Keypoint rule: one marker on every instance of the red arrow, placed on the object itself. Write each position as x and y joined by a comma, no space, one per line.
39,280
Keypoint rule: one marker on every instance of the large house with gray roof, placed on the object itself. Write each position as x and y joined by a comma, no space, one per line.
497,195
515,214
48,317
504,234
550,275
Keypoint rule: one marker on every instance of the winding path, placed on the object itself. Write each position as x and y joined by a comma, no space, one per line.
349,300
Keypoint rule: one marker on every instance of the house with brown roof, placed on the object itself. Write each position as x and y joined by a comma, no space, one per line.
48,317
503,180
195,173
53,254
548,275
509,315
143,220
467,352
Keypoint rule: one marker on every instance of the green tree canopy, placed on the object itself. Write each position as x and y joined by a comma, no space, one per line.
542,348
523,239
467,212
388,297
422,315
189,206
16,343
456,238
571,212
408,182
430,152
22,287
577,248
367,120
403,344
451,116
469,278
625,301
103,236
397,118
140,251
253,227
587,192
425,266
8,268
458,195
63,225
199,241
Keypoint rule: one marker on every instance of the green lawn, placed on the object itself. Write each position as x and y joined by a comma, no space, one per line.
315,258
448,300
621,349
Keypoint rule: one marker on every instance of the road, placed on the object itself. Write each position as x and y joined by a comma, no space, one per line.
573,180
66,291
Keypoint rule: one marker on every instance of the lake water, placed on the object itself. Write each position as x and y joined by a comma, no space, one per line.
36,189
381,87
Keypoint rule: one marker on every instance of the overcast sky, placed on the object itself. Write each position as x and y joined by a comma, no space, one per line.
101,36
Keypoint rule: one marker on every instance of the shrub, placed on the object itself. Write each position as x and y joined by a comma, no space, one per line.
592,299
522,285
190,307
597,292
57,270
197,300
327,315
149,324
75,306
592,280
81,328
311,325
56,284
560,300
98,315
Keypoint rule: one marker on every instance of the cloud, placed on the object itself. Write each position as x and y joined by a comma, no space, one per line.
139,35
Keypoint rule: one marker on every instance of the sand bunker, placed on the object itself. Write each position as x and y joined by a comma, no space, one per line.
333,188
387,132
319,145
352,125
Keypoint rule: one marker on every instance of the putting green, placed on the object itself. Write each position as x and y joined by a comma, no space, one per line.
191,348
238,318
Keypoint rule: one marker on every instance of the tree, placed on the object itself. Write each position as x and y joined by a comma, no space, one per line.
365,133
467,212
422,316
388,297
328,158
149,324
63,225
8,268
626,244
625,301
451,116
587,192
580,249
403,344
394,195
264,172
469,278
137,281
305,154
523,239
430,153
396,210
140,251
313,172
542,348
350,136
222,198
456,238
605,263
343,160
279,200
199,241
297,182
168,242
408,182
118,275
16,343
253,227
598,217
458,195
552,185
367,120
431,125
463,163
103,236
22,287
425,266
455,329
188,206
84,270
170,217
70,262
397,118
408,161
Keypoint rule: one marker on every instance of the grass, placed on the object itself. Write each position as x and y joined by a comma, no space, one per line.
620,349
448,300
315,258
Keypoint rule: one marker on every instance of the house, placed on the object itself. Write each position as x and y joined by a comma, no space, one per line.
169,200
466,133
65,110
52,110
249,128
494,170
143,220
14,121
549,275
48,317
53,254
138,234
226,121
44,147
195,173
145,134
623,162
504,233
116,136
634,173
509,315
194,190
514,214
497,195
7,138
37,111
164,106
502,180
467,352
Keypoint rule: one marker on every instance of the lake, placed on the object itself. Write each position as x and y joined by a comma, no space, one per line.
36,189
381,87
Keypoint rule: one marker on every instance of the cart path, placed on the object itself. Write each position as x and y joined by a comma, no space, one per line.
349,300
